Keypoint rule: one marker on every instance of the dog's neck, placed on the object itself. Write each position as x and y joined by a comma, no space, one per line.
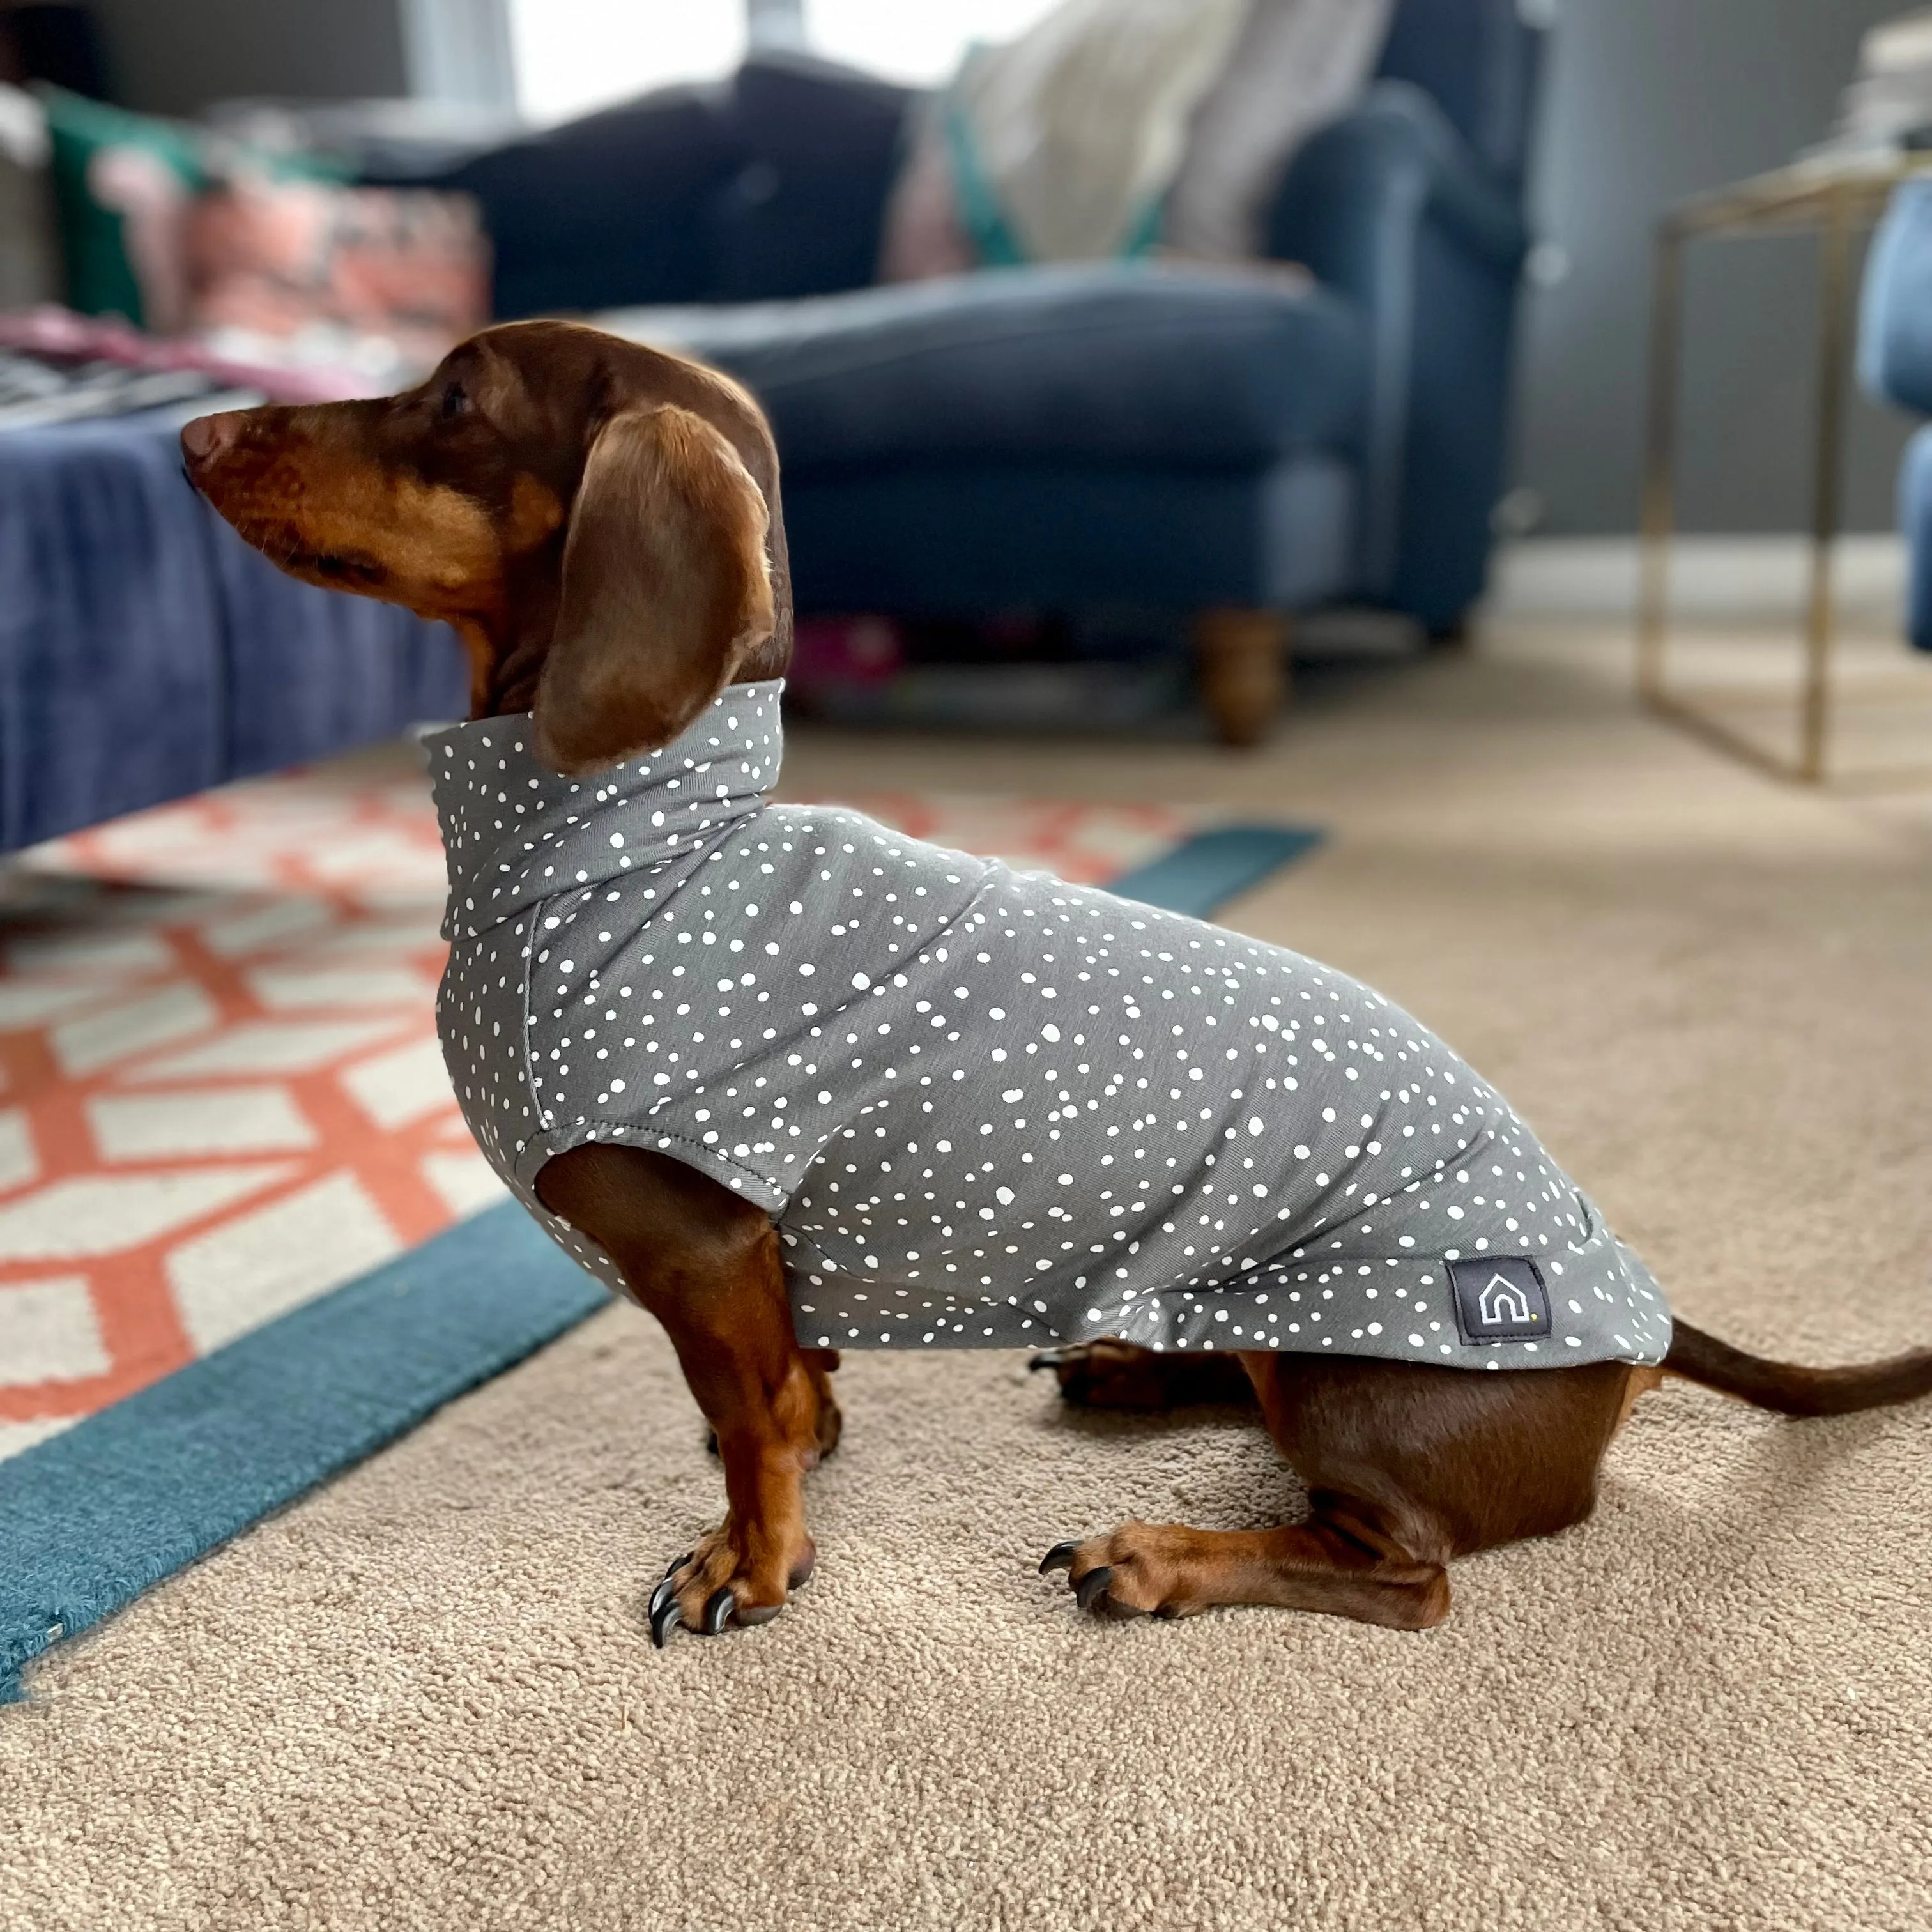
507,645
515,832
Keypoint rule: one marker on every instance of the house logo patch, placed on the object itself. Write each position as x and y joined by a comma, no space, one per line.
1500,1298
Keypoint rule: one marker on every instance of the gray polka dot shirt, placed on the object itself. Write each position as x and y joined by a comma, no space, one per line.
986,1109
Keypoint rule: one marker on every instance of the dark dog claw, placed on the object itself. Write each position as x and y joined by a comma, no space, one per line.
664,1614
1060,1557
711,1442
1047,1358
1092,1585
719,1611
664,1594
677,1563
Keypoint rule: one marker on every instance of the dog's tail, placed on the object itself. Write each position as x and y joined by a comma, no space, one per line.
1792,1390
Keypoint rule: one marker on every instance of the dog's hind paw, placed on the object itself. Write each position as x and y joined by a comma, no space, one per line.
1168,1570
1139,1571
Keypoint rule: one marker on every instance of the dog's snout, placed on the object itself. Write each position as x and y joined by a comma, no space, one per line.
207,437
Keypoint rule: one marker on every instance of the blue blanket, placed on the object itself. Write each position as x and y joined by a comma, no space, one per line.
146,653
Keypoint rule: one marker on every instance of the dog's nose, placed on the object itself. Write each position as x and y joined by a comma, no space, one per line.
207,437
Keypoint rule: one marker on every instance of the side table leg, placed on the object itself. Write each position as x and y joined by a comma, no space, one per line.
1835,327
1659,471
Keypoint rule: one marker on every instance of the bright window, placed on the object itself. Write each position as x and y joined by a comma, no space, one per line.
915,41
573,55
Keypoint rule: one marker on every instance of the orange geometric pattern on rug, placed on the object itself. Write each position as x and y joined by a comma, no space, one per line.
220,1093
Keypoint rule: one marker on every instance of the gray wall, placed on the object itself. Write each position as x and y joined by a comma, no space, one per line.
1647,100
174,56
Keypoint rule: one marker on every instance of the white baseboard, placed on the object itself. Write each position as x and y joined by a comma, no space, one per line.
1711,578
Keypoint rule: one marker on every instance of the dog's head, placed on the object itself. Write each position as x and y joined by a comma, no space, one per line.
599,520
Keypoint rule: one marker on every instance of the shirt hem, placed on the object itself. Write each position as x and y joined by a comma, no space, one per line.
546,1145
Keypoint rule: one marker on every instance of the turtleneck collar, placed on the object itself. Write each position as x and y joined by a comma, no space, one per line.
516,832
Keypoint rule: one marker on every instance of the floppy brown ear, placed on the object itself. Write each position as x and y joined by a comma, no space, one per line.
665,589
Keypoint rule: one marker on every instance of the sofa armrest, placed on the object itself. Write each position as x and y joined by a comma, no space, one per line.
1394,157
1388,206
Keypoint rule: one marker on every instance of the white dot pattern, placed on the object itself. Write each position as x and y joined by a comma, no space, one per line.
986,1108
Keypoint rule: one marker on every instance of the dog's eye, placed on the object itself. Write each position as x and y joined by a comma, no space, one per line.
454,401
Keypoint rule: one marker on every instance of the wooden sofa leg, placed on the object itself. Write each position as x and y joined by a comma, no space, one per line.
1241,657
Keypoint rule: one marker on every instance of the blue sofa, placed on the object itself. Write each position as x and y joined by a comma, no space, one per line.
1229,445
1895,365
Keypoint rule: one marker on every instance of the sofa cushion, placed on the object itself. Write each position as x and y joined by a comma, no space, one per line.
801,215
1114,361
946,539
610,208
772,184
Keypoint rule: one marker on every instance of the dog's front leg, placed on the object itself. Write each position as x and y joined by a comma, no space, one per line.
706,1263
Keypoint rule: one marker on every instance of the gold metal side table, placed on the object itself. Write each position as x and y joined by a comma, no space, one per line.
1837,200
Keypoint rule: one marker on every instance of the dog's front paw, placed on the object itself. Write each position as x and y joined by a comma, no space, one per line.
733,1577
1141,1569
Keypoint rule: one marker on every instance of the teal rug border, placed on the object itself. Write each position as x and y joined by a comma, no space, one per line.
1201,874
91,1517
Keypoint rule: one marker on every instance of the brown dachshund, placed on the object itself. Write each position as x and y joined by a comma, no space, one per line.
601,523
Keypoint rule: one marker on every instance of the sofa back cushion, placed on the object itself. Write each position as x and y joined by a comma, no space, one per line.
774,183
771,183
608,210
802,214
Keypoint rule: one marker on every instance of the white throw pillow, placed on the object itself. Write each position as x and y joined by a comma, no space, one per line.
1067,138
1298,65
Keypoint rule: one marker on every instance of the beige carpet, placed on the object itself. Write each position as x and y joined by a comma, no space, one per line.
425,1697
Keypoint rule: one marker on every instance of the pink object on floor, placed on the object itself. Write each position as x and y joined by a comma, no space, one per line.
845,650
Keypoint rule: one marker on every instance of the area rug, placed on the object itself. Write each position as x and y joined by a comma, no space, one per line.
226,1102
425,1697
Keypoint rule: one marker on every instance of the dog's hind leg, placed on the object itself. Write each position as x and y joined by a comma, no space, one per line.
1333,1562
706,1263
1407,1466
1118,1374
